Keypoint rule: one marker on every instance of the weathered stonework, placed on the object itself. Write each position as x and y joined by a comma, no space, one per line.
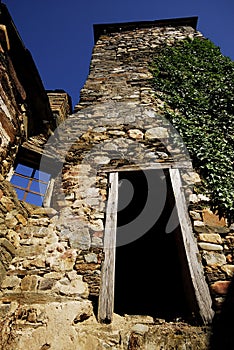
119,69
60,103
215,244
24,105
52,258
12,129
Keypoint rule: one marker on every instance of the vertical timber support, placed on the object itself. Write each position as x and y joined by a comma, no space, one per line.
106,296
192,253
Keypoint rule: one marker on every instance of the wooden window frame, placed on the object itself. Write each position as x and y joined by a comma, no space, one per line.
200,287
50,184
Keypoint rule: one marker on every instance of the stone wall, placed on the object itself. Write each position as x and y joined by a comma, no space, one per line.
60,103
44,299
119,69
52,257
120,72
215,241
24,105
42,292
38,278
12,128
36,104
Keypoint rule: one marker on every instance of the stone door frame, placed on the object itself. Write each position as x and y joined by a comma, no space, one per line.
200,287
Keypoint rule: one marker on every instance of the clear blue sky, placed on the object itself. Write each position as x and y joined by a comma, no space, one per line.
59,33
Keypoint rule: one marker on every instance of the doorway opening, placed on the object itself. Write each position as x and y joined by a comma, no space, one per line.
151,273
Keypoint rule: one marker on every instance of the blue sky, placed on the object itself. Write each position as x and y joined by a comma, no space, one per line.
59,33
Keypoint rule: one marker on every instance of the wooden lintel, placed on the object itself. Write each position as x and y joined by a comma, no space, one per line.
147,166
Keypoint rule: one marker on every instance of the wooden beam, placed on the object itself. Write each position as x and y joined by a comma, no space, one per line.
106,295
148,166
200,286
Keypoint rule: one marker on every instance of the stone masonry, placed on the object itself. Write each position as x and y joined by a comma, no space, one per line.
60,103
52,257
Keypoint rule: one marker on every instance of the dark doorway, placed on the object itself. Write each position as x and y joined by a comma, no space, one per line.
150,270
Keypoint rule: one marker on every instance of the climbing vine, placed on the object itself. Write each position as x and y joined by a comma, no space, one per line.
196,83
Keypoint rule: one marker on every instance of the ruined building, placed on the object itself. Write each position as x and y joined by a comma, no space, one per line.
79,268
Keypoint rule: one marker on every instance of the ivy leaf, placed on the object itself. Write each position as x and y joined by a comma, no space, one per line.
196,83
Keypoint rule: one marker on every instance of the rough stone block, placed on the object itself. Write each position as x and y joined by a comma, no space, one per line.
11,220
135,134
191,178
97,225
214,258
80,239
54,275
5,257
101,160
29,283
140,328
199,227
76,287
85,267
28,251
156,133
220,287
63,262
13,237
210,238
97,242
195,215
7,203
10,282
4,309
55,325
8,246
91,258
44,211
210,246
2,272
219,229
46,284
228,269
38,262
21,219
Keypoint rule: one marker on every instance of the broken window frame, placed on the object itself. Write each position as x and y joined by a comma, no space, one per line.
32,178
32,160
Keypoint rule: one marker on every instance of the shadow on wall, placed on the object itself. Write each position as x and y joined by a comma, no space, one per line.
223,324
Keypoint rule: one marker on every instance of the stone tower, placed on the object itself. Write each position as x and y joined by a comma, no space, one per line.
81,268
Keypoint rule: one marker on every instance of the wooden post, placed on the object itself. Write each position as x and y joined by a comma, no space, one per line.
192,253
106,296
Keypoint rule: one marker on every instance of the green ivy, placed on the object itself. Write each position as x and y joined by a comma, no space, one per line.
196,83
